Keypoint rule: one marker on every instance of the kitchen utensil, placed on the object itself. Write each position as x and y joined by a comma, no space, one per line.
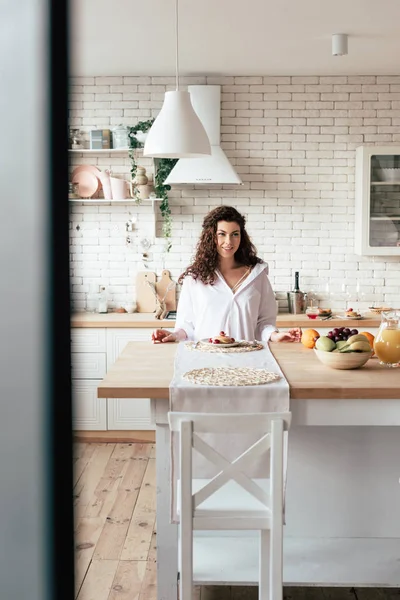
76,137
390,174
296,298
337,360
119,137
379,309
387,340
161,289
312,312
88,168
145,298
87,183
130,307
121,189
73,190
104,177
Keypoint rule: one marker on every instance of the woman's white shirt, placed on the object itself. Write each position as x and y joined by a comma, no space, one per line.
248,314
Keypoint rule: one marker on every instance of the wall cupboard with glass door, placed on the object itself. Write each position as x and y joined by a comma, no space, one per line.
377,216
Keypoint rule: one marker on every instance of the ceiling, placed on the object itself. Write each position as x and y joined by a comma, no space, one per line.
232,37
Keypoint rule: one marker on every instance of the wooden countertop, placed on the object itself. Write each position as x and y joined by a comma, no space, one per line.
144,370
147,320
135,320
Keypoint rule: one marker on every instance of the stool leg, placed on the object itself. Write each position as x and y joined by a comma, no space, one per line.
186,528
263,557
276,546
186,570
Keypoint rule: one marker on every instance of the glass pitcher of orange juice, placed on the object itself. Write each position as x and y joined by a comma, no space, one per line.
387,340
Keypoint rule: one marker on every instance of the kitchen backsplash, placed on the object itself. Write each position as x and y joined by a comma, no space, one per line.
291,139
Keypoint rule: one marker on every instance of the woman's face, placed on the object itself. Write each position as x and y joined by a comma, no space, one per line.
228,238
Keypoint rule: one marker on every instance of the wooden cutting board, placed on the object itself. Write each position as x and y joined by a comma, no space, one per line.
162,286
145,298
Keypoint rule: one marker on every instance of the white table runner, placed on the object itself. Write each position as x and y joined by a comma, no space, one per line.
191,397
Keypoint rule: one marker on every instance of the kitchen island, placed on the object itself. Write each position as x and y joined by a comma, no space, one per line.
343,493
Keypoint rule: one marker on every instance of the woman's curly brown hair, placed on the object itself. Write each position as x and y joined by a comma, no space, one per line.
206,258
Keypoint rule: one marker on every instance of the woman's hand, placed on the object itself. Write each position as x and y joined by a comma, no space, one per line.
161,335
293,335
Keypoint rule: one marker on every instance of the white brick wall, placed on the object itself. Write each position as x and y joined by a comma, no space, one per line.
292,139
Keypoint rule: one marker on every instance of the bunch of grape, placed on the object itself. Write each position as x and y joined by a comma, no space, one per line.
341,333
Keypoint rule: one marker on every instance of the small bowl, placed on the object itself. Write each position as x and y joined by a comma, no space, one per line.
312,312
345,360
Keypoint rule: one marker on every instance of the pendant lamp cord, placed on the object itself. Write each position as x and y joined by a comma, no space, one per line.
177,44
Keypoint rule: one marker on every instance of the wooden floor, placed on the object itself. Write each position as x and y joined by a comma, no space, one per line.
115,531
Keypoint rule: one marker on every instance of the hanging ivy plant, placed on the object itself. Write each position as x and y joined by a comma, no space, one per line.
163,167
134,142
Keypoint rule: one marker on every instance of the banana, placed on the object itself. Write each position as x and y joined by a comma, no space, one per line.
356,338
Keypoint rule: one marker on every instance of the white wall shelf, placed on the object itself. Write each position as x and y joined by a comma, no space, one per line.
99,151
124,201
385,182
105,201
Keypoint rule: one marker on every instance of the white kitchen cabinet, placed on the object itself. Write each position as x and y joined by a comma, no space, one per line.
88,365
126,413
88,340
88,361
89,411
377,208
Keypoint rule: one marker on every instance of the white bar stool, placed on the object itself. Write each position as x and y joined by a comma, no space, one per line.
231,500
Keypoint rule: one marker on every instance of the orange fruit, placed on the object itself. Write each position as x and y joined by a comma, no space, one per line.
307,338
370,338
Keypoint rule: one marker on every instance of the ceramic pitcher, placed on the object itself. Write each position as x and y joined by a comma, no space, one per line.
121,189
104,177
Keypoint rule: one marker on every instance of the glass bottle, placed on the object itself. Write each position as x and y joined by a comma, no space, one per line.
387,340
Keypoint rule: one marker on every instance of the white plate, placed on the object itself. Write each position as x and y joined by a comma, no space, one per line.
349,318
205,341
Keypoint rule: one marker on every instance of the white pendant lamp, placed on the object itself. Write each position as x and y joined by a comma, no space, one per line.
177,132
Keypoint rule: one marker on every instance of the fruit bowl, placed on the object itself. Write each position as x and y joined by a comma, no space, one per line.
337,360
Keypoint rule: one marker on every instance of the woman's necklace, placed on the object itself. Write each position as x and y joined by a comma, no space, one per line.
239,282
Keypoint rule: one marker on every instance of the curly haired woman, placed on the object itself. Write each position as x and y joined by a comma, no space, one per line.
226,288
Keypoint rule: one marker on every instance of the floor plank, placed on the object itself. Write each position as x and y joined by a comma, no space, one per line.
83,457
86,536
94,470
147,436
113,536
99,579
149,588
213,592
137,543
128,580
106,490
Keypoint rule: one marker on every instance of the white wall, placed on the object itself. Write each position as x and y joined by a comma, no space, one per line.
292,139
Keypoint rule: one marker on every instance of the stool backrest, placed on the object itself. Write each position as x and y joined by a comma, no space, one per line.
268,426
